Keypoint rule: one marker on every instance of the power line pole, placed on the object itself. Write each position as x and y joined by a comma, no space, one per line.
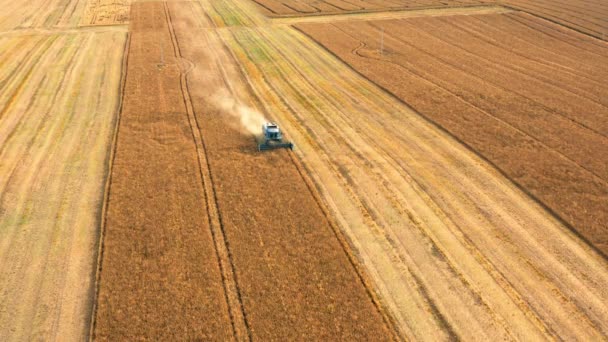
162,51
382,42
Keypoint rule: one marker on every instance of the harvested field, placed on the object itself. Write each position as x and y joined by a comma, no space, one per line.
587,16
532,103
58,96
106,12
275,8
41,14
262,257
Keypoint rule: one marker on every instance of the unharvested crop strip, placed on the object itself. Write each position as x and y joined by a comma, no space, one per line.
533,67
283,250
161,276
107,187
363,276
347,247
398,13
576,121
232,291
557,32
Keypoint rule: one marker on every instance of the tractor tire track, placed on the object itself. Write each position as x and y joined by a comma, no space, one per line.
161,276
232,291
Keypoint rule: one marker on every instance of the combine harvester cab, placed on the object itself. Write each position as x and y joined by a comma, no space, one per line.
273,138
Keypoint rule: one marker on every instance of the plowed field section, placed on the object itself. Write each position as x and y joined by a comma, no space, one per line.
185,175
58,103
509,86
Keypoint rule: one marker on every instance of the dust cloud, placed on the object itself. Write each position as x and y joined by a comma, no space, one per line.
250,119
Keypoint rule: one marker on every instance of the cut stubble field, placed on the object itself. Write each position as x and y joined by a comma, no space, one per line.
59,14
59,93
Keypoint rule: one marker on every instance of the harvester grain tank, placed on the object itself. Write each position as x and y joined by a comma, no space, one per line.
272,138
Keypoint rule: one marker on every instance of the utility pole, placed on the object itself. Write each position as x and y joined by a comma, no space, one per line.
382,42
162,52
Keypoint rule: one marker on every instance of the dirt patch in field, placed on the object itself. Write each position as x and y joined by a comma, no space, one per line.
514,90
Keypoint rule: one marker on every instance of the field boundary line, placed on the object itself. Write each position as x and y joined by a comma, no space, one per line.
106,198
391,13
60,31
232,292
554,214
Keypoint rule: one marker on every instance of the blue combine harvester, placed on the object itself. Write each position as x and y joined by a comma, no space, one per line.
272,138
